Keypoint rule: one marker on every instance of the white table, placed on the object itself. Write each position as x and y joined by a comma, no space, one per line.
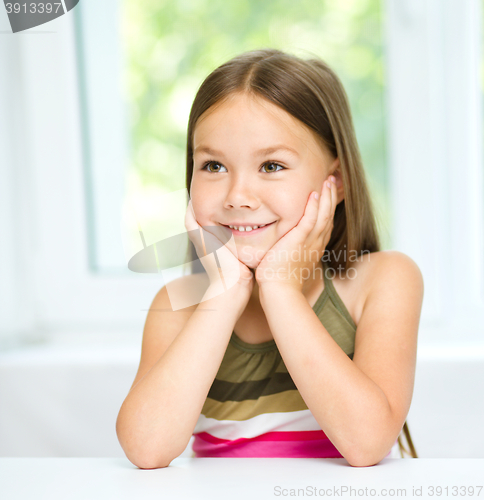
234,478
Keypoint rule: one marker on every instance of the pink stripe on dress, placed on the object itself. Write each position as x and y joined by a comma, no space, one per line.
301,444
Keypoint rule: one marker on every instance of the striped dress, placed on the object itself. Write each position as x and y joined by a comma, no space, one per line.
253,408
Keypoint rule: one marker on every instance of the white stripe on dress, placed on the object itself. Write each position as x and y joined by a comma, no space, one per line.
302,420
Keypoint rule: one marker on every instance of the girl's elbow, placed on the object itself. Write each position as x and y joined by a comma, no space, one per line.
146,462
371,451
365,458
150,464
362,461
142,457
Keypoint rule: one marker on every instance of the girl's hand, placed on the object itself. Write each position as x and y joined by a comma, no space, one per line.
233,274
294,257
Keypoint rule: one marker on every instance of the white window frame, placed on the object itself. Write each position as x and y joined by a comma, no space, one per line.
433,56
47,282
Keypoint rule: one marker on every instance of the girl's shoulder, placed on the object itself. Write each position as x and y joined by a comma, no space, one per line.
375,265
365,274
370,265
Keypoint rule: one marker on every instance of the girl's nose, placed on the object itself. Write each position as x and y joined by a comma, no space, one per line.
241,194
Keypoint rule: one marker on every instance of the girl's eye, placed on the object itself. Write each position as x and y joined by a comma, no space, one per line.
274,164
208,164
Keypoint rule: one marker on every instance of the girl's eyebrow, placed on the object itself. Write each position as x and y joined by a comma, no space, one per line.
262,152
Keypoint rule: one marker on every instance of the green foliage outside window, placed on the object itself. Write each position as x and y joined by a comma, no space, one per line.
170,47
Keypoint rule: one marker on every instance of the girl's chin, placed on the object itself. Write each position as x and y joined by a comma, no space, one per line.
251,264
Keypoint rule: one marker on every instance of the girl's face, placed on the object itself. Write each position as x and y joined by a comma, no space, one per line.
255,164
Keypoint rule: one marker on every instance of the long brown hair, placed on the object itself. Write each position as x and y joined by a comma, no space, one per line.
311,92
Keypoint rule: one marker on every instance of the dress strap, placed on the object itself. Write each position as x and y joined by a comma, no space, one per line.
333,294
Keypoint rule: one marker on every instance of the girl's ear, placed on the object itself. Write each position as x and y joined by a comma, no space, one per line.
334,166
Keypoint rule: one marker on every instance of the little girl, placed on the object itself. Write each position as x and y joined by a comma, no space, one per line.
310,348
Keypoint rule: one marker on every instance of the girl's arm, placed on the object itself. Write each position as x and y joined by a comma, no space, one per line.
361,404
181,354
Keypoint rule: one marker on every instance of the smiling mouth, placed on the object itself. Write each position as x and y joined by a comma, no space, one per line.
246,232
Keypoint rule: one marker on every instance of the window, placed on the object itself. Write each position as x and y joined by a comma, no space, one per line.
118,79
146,91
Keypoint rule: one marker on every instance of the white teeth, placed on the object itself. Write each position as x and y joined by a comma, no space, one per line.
246,228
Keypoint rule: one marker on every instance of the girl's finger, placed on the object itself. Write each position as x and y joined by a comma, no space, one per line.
195,232
311,212
325,208
190,222
334,198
